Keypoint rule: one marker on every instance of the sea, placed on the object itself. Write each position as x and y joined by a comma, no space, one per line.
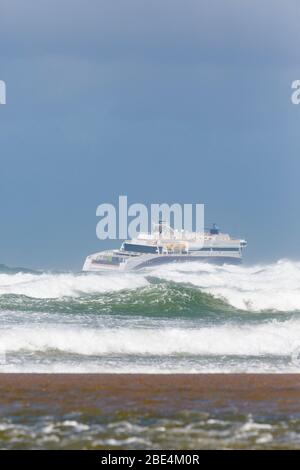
180,318
189,318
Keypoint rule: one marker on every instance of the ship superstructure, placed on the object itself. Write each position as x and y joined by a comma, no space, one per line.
166,245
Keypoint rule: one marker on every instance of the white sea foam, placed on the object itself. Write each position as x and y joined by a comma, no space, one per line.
273,287
245,343
262,287
49,286
267,339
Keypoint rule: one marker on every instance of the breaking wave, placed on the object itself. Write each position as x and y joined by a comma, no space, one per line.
274,339
272,287
188,317
53,286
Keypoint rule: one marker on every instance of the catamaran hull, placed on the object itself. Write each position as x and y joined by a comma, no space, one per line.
183,259
146,261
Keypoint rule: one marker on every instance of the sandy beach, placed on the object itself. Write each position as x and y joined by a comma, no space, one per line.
124,411
148,391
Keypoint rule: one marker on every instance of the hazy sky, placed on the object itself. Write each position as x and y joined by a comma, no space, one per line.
161,100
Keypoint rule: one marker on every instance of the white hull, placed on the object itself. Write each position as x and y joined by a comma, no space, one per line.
147,260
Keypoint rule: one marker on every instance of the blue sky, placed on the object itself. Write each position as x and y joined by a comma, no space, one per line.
164,101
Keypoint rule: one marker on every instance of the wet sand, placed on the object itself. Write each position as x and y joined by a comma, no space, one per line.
148,390
192,405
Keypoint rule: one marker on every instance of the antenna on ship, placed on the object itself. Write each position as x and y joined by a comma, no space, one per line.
160,224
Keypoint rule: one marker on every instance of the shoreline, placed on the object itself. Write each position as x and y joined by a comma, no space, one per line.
149,411
283,389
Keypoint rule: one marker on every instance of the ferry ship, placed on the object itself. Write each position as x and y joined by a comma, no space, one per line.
166,245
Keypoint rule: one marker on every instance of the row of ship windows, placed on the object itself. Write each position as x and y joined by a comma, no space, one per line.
153,249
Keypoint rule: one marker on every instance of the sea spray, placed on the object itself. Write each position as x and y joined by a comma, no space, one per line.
187,317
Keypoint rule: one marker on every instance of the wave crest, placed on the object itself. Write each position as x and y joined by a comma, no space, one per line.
272,287
273,338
